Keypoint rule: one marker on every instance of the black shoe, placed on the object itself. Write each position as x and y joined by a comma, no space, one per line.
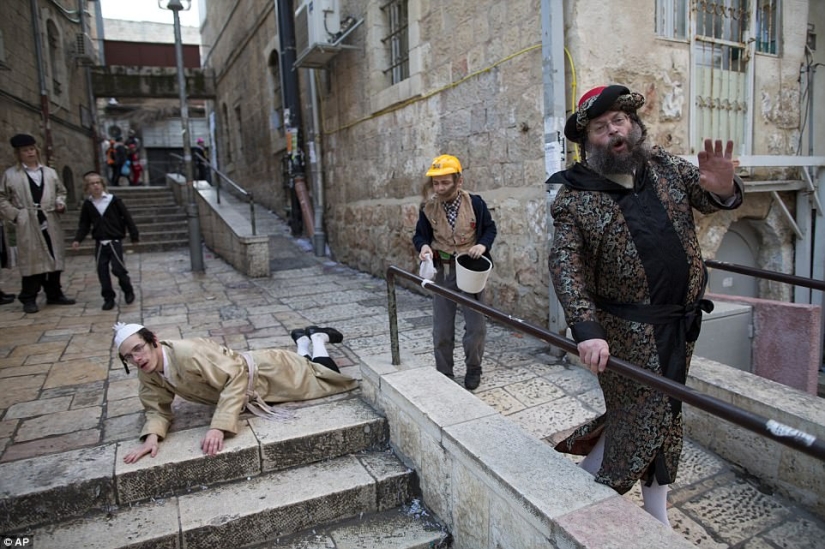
62,300
30,307
5,299
129,297
297,334
108,305
334,335
472,379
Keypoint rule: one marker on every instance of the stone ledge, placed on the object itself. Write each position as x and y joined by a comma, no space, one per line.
796,476
225,231
492,483
229,234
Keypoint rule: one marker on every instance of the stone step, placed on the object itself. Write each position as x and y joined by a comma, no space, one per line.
161,222
406,527
69,222
249,511
53,488
136,211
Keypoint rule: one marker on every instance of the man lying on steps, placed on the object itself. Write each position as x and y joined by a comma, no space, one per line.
203,371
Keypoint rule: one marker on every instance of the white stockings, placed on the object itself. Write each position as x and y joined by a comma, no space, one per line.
654,496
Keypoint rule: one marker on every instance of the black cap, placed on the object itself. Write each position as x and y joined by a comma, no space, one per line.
22,140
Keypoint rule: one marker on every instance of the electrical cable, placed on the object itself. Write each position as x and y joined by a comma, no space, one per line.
573,87
426,96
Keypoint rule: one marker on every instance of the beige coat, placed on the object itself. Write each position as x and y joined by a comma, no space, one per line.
18,208
201,370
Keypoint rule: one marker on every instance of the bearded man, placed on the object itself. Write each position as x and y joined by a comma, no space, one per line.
628,271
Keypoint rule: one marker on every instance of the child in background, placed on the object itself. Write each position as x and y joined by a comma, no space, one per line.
107,217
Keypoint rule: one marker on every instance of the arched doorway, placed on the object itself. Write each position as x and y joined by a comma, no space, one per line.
740,246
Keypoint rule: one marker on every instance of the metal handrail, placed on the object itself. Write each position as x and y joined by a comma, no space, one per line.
784,434
250,198
811,283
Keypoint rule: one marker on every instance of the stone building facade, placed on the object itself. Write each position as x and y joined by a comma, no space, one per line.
472,86
42,54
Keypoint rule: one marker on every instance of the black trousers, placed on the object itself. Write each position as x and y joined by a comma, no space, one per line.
111,255
50,282
116,175
324,361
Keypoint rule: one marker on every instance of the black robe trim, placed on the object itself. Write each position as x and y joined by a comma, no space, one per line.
667,271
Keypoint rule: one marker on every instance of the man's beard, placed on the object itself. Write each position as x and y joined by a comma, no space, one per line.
604,161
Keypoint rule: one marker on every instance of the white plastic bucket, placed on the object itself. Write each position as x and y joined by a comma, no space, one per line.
471,274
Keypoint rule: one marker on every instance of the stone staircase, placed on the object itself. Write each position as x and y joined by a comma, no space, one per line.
323,478
161,222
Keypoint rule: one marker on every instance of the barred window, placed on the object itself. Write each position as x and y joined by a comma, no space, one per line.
397,40
276,117
53,40
767,26
672,19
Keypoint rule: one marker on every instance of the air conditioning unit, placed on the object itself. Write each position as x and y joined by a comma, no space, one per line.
84,50
317,28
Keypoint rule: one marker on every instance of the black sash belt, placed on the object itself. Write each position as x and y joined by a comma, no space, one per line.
650,313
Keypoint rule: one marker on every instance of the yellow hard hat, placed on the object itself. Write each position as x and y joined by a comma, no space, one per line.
444,165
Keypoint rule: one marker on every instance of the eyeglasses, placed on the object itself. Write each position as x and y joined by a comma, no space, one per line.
601,128
136,350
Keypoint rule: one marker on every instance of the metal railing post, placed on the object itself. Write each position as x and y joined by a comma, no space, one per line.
392,307
252,213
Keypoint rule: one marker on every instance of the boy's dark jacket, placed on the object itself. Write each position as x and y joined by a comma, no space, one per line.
112,225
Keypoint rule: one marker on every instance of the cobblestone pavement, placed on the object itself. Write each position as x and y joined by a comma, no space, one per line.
62,389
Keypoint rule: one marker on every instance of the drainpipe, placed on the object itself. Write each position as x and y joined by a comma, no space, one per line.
44,92
552,52
100,34
292,121
316,163
91,96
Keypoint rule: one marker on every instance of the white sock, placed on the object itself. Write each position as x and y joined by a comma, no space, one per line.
303,346
319,341
593,461
655,501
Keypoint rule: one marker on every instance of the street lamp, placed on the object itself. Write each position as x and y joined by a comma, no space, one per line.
195,250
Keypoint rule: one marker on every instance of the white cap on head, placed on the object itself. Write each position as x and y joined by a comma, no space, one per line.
123,331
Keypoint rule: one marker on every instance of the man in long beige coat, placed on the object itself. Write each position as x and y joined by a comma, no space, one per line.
32,199
201,370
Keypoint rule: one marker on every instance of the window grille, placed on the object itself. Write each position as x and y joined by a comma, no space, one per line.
397,40
721,60
672,19
767,26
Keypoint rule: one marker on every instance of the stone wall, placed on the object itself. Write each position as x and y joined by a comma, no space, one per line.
474,90
468,100
73,149
238,44
785,341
